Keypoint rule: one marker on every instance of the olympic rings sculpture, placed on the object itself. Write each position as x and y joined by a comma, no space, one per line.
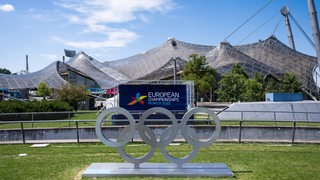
148,136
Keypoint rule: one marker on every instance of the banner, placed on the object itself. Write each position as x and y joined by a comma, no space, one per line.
69,53
113,91
146,96
96,91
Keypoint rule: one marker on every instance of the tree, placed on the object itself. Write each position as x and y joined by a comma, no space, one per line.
287,84
290,84
43,90
232,86
237,69
203,75
237,86
4,71
253,90
272,85
258,77
71,94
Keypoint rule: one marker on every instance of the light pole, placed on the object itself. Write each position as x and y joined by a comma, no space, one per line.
174,69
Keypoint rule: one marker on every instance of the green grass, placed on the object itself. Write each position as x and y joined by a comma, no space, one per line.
79,115
84,115
247,161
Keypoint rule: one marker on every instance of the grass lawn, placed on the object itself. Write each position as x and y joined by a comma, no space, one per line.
247,161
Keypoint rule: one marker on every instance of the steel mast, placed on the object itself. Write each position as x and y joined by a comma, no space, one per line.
315,27
285,12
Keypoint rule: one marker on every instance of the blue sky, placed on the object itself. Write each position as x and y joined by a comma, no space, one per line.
114,29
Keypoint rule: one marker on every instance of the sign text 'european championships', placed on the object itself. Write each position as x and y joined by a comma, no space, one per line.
145,96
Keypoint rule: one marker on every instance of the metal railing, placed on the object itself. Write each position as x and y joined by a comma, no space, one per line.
48,121
271,116
287,119
34,117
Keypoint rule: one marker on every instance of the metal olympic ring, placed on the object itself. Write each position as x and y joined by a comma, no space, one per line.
149,137
191,140
136,161
180,161
168,135
129,131
190,136
164,141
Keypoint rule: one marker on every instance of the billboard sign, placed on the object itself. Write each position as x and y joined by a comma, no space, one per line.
146,96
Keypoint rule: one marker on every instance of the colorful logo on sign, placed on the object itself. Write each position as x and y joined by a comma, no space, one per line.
137,99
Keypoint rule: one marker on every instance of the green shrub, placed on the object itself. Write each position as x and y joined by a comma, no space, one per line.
13,106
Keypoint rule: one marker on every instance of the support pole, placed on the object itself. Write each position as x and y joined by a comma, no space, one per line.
293,132
285,12
315,27
174,70
22,131
27,63
77,128
240,133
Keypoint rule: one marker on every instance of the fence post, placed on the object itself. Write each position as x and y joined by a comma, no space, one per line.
293,132
32,119
22,131
240,127
77,128
69,118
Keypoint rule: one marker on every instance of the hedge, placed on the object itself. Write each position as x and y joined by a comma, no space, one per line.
14,106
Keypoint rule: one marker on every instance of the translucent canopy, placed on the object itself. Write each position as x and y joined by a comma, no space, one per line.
49,75
268,57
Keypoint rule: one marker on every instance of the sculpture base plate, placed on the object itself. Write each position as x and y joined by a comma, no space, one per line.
157,169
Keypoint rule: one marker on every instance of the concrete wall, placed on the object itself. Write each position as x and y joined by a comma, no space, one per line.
228,134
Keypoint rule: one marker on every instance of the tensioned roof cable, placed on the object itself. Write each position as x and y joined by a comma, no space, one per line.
275,29
302,31
277,13
248,20
285,4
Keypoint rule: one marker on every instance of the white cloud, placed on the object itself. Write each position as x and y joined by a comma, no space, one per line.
100,17
114,11
6,8
118,38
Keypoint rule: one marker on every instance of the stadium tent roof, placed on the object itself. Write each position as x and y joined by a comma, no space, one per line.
275,54
224,56
140,65
49,75
267,57
105,76
166,71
